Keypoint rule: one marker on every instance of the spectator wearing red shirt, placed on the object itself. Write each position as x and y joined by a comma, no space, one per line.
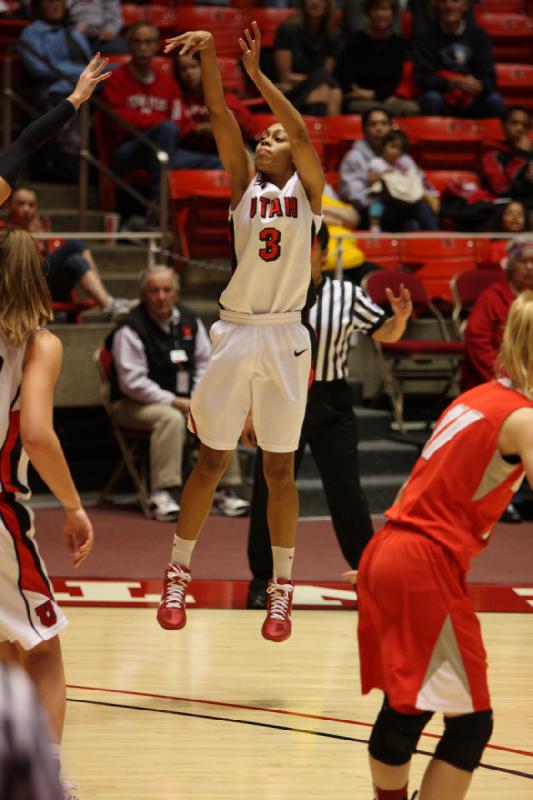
146,97
484,330
507,167
191,111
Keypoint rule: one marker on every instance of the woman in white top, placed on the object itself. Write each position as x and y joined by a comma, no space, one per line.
30,361
261,357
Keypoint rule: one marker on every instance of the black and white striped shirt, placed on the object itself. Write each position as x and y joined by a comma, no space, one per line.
340,309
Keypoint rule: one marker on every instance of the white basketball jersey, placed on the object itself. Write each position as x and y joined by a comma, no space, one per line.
13,459
272,232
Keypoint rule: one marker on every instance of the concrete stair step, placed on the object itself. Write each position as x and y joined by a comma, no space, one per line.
380,492
119,258
61,195
67,219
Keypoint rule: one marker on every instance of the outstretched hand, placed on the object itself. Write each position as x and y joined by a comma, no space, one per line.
251,49
401,306
92,75
79,534
191,42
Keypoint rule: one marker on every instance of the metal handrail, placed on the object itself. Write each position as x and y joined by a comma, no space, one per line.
86,157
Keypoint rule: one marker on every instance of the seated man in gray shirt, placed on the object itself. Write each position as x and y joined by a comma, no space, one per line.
160,351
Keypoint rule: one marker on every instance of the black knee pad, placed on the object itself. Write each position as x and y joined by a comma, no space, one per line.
464,739
395,736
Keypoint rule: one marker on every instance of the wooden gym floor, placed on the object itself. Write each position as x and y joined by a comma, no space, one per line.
215,711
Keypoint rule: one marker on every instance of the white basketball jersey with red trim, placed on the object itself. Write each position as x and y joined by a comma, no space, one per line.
13,459
272,232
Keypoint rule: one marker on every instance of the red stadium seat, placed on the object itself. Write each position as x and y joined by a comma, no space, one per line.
166,18
226,25
440,178
339,133
489,129
511,6
515,82
132,13
269,20
442,142
435,359
199,207
466,288
381,250
437,260
511,35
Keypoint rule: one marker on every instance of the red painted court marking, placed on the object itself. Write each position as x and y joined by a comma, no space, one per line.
281,711
318,595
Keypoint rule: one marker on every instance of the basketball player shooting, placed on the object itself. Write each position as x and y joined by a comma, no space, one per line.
261,354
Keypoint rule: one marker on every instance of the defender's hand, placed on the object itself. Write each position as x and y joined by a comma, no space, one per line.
191,42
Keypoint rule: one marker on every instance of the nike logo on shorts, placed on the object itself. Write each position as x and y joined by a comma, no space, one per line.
299,352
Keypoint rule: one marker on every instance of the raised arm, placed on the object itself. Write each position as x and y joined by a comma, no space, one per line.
15,157
304,155
226,131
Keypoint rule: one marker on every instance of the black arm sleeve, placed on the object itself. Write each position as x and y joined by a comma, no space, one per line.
13,159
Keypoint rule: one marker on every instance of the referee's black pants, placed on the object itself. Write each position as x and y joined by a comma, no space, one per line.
330,429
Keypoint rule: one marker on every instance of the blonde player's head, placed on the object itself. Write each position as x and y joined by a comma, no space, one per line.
24,297
516,353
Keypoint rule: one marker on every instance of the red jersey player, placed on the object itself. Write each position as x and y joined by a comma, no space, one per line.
419,638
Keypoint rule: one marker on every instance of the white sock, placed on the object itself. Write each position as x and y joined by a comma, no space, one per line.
282,558
182,551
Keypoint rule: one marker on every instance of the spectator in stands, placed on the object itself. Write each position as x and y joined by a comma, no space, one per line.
510,218
101,21
192,115
144,96
369,67
353,170
484,329
403,198
160,351
453,65
485,324
52,36
305,49
69,265
507,167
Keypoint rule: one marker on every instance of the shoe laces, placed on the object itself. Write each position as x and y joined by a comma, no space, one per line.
279,599
176,586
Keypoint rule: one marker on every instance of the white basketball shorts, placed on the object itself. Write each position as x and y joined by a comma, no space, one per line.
29,613
261,363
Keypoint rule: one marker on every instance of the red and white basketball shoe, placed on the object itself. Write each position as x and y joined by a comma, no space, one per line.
171,612
277,626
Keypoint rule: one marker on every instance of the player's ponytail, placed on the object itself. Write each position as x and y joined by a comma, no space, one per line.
24,297
516,353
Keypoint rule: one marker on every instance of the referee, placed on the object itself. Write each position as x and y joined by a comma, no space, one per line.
330,426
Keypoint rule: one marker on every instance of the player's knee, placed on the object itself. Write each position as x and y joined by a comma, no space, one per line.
278,469
464,739
212,463
395,735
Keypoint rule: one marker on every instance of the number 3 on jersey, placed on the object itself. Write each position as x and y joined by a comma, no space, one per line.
271,237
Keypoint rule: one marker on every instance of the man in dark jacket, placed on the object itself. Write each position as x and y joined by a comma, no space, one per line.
507,167
160,351
454,66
